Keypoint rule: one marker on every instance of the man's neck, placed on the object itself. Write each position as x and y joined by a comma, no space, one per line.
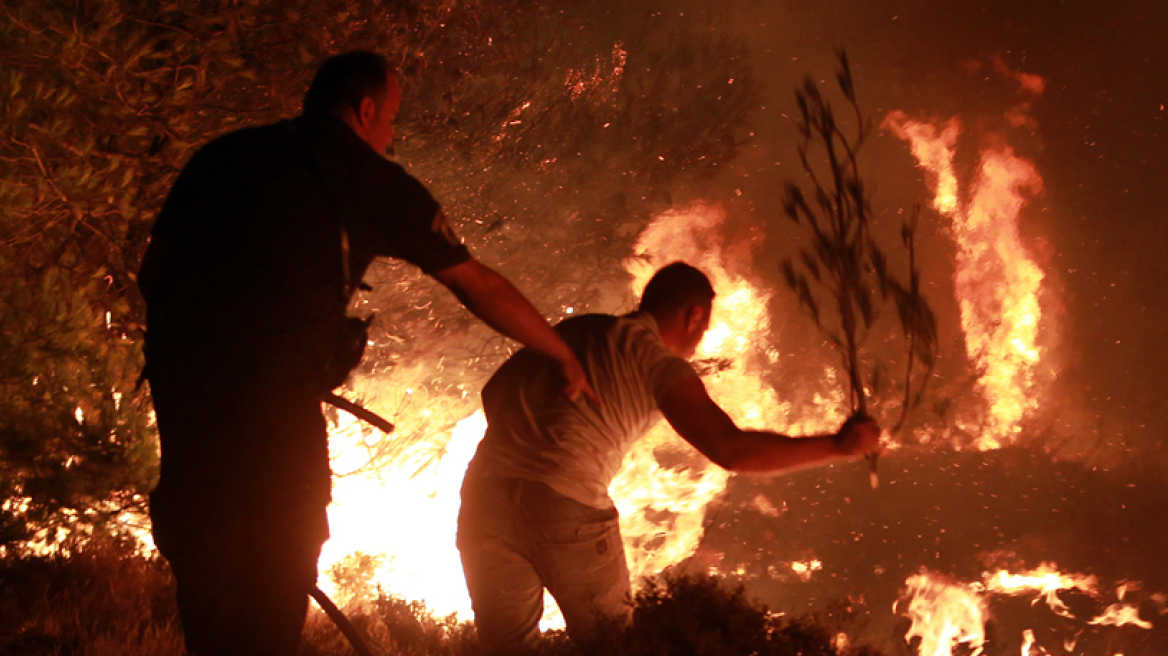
670,328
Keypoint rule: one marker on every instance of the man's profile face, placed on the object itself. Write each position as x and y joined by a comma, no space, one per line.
379,132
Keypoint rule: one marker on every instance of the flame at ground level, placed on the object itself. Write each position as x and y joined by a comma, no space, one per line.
404,522
946,614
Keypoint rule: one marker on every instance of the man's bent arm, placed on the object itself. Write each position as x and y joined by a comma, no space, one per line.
697,419
492,298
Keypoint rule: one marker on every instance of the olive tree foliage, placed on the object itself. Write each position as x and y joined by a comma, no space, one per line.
550,131
842,278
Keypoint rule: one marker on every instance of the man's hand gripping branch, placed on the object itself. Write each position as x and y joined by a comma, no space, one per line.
699,420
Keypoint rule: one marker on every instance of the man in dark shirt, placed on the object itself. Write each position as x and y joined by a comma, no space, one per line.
249,270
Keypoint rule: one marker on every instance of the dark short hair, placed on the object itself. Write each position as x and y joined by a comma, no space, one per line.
676,286
343,80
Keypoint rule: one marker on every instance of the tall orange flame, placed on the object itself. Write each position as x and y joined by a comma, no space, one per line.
677,497
997,282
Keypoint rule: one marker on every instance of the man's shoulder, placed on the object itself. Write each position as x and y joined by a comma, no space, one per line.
589,320
240,148
587,326
634,331
597,319
249,137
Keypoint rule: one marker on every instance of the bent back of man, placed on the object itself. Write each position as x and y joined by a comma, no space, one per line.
535,507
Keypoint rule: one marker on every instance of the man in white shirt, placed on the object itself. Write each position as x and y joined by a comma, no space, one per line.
535,507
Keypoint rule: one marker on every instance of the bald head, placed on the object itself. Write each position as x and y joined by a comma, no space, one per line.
680,298
344,80
675,287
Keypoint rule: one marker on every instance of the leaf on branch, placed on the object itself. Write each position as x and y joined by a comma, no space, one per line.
864,303
827,123
793,201
811,264
844,76
801,101
906,233
879,264
825,202
788,271
855,189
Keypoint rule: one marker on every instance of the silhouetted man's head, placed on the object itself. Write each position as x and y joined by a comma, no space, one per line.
680,298
360,88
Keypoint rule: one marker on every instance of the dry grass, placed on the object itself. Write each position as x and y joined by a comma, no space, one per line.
102,600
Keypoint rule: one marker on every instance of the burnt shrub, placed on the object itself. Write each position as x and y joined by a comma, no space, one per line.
709,616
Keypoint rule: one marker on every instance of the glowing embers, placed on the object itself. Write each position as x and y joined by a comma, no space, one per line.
996,281
805,569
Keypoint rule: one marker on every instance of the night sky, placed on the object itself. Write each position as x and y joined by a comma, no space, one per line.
1097,231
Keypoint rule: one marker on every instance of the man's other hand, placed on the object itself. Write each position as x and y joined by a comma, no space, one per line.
493,298
860,435
577,384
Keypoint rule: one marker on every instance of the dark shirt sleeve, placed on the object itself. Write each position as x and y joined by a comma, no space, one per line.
412,224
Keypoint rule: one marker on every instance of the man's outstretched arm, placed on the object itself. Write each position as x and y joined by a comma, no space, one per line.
492,298
699,420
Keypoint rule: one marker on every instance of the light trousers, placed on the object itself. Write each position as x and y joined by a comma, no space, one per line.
518,537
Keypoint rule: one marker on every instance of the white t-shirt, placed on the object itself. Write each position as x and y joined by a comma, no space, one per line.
535,433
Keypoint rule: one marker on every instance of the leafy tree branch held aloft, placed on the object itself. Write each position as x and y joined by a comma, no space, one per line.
843,280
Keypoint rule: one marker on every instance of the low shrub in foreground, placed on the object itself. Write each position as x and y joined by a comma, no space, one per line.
672,616
106,599
706,616
100,599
